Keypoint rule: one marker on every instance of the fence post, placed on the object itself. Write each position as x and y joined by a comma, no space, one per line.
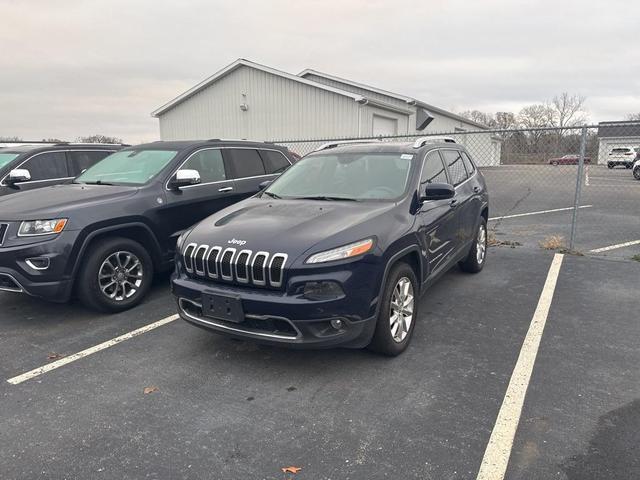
576,202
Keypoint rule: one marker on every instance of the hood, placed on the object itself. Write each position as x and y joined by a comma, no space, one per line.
58,201
290,226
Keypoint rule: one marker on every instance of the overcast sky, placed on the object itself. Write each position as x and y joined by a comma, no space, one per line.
70,68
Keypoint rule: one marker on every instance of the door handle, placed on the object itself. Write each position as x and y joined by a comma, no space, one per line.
476,189
225,189
453,203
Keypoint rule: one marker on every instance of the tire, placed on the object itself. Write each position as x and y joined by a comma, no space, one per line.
477,256
555,164
114,256
609,165
628,165
636,173
388,338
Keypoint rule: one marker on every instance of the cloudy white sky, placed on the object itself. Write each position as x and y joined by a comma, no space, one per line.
70,68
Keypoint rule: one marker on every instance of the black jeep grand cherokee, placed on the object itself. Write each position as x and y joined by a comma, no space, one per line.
338,249
106,233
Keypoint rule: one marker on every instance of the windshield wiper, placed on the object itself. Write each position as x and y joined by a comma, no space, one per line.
272,195
97,182
328,198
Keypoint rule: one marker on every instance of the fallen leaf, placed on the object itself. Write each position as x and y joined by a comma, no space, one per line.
148,390
291,469
54,356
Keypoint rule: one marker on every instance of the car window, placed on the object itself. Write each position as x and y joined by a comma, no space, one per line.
47,166
128,167
246,162
471,168
5,158
80,160
209,164
620,150
274,162
433,170
455,164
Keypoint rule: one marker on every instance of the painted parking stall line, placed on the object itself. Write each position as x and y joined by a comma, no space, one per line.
615,247
539,212
90,351
496,456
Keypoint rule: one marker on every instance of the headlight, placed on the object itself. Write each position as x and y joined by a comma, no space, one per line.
351,250
34,228
181,239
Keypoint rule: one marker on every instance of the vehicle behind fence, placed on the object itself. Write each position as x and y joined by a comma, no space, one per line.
569,188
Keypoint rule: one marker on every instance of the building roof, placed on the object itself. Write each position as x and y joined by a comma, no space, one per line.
619,129
408,100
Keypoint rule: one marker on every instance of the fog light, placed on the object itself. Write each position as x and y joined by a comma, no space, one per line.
337,323
38,263
322,290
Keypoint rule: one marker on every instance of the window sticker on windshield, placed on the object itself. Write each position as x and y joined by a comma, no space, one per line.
406,156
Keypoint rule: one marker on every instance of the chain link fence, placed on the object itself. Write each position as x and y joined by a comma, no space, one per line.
571,188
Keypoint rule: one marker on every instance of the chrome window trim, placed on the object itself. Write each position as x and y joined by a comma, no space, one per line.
245,279
4,234
260,283
231,264
20,288
3,184
184,256
228,179
285,257
213,323
194,257
215,261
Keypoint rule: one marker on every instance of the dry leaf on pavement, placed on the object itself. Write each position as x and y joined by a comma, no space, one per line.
148,390
291,469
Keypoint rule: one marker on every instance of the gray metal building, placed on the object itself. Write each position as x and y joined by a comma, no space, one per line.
253,101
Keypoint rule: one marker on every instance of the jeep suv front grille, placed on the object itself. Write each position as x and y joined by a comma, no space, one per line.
3,232
228,264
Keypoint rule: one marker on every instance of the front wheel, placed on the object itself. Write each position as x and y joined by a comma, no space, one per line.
609,166
478,253
636,173
116,275
397,313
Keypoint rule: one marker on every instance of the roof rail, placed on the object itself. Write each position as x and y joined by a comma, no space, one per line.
237,140
91,143
342,142
420,142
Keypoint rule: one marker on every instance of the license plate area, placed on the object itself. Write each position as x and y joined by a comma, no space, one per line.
223,307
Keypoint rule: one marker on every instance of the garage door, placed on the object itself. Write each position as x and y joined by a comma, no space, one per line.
384,126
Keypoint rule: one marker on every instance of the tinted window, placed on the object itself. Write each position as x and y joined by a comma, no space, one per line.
471,167
209,164
274,162
433,170
80,161
455,164
246,162
47,166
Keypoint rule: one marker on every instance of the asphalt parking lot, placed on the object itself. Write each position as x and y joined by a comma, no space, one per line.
530,203
224,409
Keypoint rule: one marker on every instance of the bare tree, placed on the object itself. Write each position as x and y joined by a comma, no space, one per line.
99,139
52,140
568,110
477,116
10,139
634,116
534,117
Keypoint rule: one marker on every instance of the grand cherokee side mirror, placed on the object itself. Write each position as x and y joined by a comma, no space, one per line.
437,191
184,178
264,185
18,175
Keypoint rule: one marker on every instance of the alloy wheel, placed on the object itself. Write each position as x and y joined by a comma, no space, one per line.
402,303
120,275
481,244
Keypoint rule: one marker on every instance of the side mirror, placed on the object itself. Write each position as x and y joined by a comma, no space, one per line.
437,191
264,185
184,178
18,175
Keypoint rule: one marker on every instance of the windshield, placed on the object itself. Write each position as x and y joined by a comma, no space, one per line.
5,158
348,176
127,167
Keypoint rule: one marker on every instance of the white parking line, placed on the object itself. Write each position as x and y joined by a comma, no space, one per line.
540,212
614,247
89,351
586,176
496,456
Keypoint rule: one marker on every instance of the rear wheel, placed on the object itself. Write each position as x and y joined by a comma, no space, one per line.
478,253
636,173
116,275
609,165
397,312
555,163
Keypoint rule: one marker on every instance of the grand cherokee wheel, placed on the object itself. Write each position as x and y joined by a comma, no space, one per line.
478,253
116,275
397,313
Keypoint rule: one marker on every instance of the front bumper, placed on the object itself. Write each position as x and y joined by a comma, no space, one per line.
277,318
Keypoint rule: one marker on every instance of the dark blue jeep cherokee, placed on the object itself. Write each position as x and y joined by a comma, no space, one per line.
337,250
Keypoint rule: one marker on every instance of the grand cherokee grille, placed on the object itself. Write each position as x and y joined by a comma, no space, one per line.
233,265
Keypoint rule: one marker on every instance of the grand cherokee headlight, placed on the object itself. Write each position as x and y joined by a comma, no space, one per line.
34,228
351,250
